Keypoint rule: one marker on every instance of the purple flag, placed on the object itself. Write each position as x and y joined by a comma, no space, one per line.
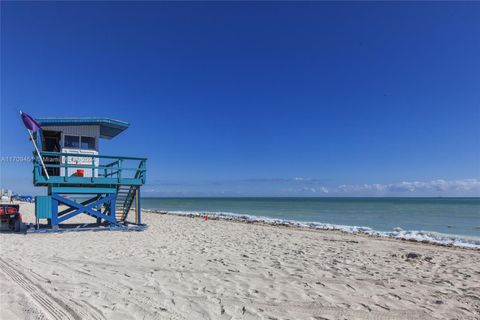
29,122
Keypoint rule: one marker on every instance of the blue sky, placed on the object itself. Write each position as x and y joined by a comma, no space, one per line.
256,99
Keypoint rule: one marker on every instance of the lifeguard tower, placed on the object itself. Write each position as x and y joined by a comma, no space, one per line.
80,180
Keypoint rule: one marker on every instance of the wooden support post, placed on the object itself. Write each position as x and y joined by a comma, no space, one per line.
119,169
137,216
112,208
99,208
54,219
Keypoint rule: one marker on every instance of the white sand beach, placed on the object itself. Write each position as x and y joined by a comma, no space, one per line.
188,268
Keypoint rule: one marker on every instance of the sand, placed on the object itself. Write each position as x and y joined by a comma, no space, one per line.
188,268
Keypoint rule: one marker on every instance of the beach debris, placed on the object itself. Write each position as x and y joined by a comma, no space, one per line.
412,255
298,252
429,259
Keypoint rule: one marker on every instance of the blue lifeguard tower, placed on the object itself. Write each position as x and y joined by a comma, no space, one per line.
80,180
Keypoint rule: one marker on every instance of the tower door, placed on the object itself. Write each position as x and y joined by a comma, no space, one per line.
51,143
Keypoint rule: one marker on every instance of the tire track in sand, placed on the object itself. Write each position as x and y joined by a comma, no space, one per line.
51,306
142,301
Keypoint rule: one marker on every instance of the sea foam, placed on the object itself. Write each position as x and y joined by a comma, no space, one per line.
398,233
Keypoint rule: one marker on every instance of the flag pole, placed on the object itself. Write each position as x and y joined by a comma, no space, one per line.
38,152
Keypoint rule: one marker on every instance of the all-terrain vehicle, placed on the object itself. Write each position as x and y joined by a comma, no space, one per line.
10,217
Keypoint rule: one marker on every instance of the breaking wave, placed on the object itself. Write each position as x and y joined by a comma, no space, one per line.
398,233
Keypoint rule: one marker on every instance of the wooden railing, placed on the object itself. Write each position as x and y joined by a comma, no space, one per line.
96,169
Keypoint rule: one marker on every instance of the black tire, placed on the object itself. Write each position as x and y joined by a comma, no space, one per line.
18,225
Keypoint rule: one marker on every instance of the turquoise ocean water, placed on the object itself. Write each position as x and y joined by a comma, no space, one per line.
444,219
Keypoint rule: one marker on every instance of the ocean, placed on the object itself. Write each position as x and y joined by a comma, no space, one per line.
453,221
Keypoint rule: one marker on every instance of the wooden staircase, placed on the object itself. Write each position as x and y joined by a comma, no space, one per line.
126,195
125,198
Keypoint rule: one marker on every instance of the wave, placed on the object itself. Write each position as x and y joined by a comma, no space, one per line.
398,233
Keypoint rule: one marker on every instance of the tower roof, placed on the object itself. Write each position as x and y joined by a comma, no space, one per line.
109,128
